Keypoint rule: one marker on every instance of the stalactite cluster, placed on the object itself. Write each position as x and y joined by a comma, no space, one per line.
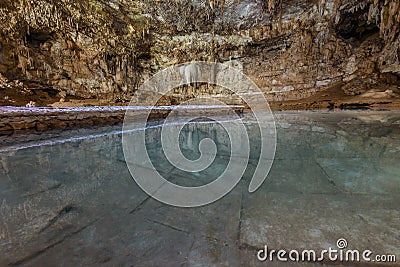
106,49
215,3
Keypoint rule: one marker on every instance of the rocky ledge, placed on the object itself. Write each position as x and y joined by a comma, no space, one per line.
16,120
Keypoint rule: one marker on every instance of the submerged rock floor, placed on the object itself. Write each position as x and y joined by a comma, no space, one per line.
74,203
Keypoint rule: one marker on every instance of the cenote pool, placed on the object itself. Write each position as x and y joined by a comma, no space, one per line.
69,199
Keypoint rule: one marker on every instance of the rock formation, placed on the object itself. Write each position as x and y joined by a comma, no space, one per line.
51,50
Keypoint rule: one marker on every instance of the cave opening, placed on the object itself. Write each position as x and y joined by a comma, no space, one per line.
36,39
355,26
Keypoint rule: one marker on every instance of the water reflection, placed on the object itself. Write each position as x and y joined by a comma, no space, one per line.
330,171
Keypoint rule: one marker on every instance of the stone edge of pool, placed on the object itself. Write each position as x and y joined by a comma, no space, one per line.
16,120
20,120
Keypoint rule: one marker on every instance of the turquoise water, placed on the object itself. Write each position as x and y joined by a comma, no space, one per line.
69,197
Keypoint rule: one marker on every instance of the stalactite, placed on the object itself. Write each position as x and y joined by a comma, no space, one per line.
321,6
280,15
271,5
214,4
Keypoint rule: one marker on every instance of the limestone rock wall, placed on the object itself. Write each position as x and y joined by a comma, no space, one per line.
106,49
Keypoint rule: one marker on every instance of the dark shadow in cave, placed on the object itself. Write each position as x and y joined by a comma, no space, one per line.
35,39
355,27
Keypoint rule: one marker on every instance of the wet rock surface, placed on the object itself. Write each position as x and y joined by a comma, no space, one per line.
16,122
335,176
61,51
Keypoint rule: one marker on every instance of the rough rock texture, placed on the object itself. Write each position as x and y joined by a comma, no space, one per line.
19,121
53,50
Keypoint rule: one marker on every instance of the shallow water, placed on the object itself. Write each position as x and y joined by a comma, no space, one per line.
70,198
